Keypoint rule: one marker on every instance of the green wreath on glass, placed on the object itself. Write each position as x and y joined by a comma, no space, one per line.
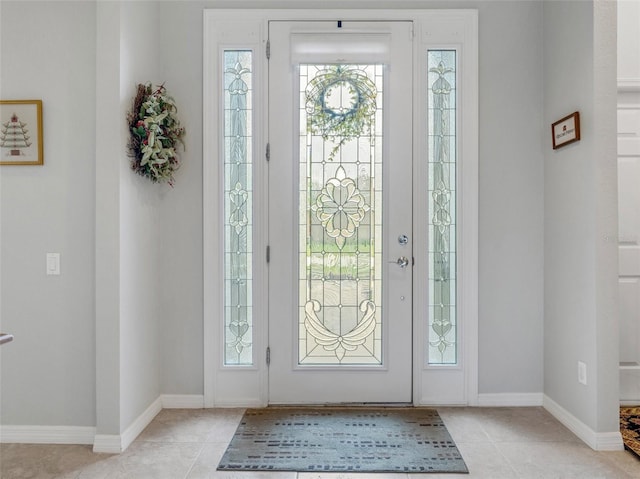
340,104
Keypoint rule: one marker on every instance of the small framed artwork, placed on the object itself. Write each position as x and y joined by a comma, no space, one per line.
566,130
21,132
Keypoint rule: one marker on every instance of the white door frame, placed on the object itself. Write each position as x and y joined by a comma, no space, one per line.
247,29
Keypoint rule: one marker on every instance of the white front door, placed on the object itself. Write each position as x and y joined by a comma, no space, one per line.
340,212
363,118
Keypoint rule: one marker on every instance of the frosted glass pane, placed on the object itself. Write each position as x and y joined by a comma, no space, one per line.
238,208
341,201
441,110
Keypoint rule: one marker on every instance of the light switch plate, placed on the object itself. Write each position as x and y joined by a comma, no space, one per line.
582,373
53,264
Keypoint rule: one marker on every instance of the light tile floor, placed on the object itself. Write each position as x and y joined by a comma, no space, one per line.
496,443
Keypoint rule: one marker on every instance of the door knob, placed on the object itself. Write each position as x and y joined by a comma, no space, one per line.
402,261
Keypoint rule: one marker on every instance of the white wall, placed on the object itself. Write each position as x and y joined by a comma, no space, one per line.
96,326
510,194
107,218
141,213
580,265
128,242
181,229
48,371
511,198
128,246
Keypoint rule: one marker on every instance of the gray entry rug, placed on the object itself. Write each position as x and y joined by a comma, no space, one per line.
334,439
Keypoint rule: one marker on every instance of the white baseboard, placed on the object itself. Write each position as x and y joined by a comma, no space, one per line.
510,400
246,403
598,441
115,444
47,434
108,443
182,401
441,403
142,421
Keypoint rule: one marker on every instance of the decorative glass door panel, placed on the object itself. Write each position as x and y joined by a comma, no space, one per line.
331,149
340,199
441,80
238,203
340,283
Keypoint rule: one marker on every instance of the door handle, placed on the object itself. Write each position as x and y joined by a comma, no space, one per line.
402,261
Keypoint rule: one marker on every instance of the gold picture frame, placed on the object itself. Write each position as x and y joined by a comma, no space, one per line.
21,132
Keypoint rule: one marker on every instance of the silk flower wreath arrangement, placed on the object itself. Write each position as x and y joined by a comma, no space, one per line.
155,133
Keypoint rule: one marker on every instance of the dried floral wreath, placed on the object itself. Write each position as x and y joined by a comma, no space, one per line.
155,132
341,104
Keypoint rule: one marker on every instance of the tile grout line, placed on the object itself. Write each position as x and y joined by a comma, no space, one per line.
195,461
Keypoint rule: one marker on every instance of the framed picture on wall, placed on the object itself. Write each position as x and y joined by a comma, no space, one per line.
566,130
21,132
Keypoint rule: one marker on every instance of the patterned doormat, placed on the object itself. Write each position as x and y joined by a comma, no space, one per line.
334,439
630,428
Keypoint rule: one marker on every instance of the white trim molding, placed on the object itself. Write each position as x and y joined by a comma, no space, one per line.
510,400
115,444
243,30
104,443
598,441
247,28
108,444
142,421
47,434
628,84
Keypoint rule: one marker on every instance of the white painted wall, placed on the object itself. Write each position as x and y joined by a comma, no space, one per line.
107,218
48,371
510,194
141,213
181,229
128,211
139,347
580,264
511,198
95,327
128,363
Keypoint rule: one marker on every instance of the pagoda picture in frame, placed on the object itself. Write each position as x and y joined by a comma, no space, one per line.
21,132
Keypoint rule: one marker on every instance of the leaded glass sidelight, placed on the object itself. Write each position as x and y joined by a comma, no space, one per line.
238,204
443,330
340,230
